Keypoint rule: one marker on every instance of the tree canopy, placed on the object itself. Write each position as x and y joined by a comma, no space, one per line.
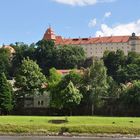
29,79
5,95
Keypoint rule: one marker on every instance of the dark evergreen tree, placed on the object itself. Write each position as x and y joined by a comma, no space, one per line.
5,95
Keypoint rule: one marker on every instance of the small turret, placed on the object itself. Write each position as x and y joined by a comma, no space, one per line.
49,34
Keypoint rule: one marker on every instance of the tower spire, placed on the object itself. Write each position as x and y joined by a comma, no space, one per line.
49,34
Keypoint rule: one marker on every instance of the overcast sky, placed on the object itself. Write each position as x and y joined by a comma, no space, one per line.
27,20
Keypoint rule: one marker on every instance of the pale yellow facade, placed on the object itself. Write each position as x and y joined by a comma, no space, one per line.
97,50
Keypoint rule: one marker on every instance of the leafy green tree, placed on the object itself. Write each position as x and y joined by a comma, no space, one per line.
129,73
113,95
131,70
5,95
114,61
131,97
54,76
22,52
68,97
59,87
53,80
29,79
68,57
133,58
44,55
75,77
5,62
98,83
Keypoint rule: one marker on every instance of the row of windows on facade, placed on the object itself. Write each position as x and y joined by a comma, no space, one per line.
125,43
98,51
106,48
128,43
102,51
40,103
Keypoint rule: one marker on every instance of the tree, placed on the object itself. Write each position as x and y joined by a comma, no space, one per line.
70,97
131,97
113,95
53,80
44,55
5,62
98,83
133,58
131,70
5,95
129,73
68,57
29,79
75,77
22,52
67,97
113,61
54,77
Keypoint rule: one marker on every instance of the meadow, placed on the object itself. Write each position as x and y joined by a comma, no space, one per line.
71,125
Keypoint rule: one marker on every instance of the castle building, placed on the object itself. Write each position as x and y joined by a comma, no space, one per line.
96,46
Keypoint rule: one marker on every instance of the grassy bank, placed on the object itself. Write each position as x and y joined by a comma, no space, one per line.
55,125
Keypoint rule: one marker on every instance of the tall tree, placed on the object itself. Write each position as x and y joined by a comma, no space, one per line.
44,55
70,97
22,52
5,95
67,97
53,79
98,83
64,90
5,62
29,79
131,98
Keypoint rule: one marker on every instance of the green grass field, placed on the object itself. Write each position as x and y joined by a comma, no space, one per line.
75,125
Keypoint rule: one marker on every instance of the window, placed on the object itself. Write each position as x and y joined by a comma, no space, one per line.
42,103
38,103
133,48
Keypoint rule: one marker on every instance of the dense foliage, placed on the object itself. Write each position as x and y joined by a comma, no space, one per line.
5,95
5,61
109,86
29,79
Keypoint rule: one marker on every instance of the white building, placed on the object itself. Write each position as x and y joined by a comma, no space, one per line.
95,47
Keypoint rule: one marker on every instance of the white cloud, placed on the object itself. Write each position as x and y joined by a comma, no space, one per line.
82,2
122,29
107,14
92,22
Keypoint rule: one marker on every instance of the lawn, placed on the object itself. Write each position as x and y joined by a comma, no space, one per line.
72,125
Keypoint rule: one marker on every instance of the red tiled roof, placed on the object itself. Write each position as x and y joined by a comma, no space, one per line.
78,41
64,72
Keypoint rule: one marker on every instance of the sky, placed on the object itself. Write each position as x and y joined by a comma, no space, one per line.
27,20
